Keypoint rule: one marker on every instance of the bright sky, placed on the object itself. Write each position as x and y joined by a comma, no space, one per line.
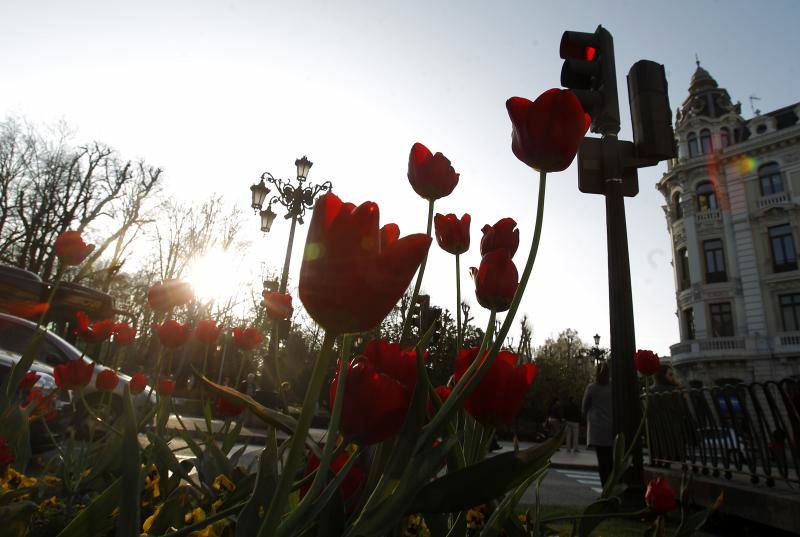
218,92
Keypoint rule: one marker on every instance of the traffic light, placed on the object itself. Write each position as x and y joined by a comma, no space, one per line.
590,72
651,116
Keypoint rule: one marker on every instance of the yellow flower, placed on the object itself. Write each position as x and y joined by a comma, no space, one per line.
51,480
222,481
197,515
415,526
476,517
152,483
216,505
152,518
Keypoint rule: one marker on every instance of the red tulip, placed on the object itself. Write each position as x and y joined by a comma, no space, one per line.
40,406
75,374
28,381
70,248
172,334
504,234
246,339
646,362
501,392
106,380
496,280
279,305
168,294
94,333
6,456
431,176
351,485
452,234
166,387
442,392
207,331
548,131
378,392
228,408
353,273
659,497
124,334
138,383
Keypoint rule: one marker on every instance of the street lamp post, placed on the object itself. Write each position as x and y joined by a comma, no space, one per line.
296,198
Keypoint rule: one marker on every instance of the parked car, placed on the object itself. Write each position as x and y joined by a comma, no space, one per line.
15,333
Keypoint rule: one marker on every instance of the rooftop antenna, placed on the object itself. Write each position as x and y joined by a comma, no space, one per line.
696,60
753,109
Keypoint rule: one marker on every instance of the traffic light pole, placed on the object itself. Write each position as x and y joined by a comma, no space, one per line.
624,381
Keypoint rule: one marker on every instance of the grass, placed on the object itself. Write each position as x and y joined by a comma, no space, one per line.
615,527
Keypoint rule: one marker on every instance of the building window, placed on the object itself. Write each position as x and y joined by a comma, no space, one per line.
684,281
790,312
705,141
688,323
694,148
769,177
706,197
715,261
676,205
724,137
781,242
721,319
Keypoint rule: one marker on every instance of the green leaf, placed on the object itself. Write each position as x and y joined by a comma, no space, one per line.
504,510
17,433
230,438
605,505
128,519
96,518
16,518
694,522
484,481
164,457
273,418
249,520
213,463
19,369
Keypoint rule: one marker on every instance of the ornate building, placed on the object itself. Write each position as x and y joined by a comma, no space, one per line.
733,212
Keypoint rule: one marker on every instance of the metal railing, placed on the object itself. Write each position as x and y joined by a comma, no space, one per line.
751,429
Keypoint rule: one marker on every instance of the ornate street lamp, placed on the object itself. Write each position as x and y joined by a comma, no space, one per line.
296,198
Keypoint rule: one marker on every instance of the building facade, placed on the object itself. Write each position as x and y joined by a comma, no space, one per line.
733,214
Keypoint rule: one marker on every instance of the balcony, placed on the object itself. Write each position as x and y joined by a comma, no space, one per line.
715,348
781,198
708,217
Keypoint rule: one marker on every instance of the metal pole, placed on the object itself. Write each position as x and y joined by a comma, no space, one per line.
285,275
273,339
624,383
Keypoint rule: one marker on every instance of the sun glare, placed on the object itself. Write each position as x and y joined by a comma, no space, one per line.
217,275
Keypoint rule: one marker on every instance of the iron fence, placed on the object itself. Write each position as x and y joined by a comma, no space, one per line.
751,429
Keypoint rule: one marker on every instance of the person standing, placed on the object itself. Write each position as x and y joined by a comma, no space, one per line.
599,430
572,417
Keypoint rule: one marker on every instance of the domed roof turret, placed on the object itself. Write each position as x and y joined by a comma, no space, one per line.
706,98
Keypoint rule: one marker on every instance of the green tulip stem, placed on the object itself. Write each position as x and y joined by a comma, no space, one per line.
459,335
297,442
328,453
406,324
469,381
